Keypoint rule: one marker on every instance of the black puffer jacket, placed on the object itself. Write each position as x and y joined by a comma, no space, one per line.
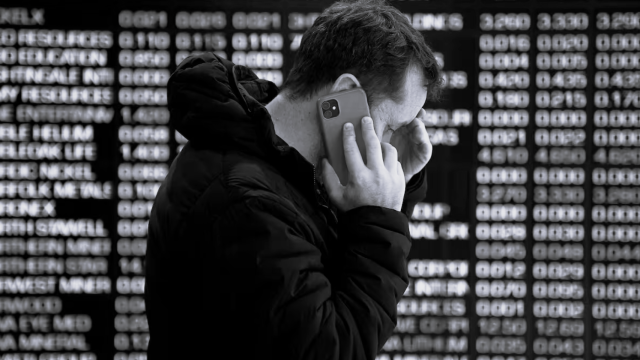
245,257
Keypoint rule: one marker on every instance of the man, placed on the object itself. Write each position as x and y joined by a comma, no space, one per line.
248,256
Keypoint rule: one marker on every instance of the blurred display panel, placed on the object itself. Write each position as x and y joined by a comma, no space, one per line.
526,246
501,191
558,177
144,150
57,98
615,214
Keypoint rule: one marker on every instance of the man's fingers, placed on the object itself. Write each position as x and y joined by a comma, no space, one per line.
352,155
371,143
390,156
420,137
422,115
331,181
399,169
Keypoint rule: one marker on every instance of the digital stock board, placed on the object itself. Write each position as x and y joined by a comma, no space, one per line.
527,245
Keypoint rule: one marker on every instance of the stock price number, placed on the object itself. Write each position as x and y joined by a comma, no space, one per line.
560,99
616,291
500,270
564,156
125,323
558,232
616,310
618,21
561,118
553,327
616,214
618,42
501,345
616,137
141,40
619,79
615,233
616,176
563,80
558,194
198,41
615,252
503,61
616,195
501,175
502,43
617,329
504,79
505,22
615,271
616,118
617,61
558,309
502,137
558,213
624,348
555,251
562,42
560,21
557,346
501,212
144,152
562,61
498,231
558,290
500,250
501,194
558,270
558,176
503,118
494,326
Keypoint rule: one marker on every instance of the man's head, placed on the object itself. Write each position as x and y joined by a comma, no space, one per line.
369,44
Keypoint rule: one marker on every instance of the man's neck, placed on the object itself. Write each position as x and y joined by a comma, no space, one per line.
296,124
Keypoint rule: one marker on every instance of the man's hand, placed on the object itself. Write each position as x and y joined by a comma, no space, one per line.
413,145
377,183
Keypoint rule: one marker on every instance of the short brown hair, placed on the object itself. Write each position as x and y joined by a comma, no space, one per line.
369,39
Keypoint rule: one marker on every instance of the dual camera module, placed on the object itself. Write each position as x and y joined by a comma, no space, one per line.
330,108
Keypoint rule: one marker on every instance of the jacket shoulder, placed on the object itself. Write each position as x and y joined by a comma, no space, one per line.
210,180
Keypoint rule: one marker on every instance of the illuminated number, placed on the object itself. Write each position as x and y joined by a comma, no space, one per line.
543,80
544,21
486,21
524,21
485,79
500,20
501,42
485,98
486,42
558,21
602,21
485,155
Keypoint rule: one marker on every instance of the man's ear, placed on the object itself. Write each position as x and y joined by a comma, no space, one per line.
345,81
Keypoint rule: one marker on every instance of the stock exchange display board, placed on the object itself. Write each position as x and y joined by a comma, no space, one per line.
527,245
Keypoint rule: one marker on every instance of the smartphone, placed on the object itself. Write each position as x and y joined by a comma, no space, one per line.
334,110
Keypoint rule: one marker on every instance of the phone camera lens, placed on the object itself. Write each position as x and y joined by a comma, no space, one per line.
325,105
328,114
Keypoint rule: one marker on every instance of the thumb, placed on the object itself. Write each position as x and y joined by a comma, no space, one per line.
331,182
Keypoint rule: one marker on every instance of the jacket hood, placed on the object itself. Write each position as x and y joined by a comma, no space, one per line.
217,104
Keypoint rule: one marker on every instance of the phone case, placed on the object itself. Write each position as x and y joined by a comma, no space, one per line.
353,107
